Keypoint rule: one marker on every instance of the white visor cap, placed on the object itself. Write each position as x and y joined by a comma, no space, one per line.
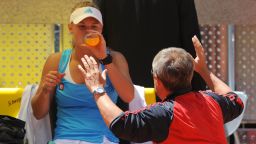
81,13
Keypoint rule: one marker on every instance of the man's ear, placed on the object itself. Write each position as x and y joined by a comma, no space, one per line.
159,83
162,90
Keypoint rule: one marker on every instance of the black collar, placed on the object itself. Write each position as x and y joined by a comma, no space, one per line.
176,93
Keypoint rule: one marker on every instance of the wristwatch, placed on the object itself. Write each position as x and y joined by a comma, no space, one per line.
99,91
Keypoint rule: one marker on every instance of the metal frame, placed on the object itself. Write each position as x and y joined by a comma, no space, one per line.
231,56
57,37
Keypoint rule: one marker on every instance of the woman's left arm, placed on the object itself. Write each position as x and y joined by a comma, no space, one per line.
118,73
117,70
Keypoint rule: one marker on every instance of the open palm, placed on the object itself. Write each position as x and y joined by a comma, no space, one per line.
200,60
93,78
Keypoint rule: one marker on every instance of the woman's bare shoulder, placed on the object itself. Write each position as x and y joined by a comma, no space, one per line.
117,54
118,58
53,60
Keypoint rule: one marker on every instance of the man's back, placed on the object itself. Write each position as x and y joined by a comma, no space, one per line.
183,117
197,119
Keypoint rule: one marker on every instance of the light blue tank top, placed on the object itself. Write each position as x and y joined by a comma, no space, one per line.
78,117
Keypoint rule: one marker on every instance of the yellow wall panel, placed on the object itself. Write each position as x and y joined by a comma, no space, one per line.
66,37
23,51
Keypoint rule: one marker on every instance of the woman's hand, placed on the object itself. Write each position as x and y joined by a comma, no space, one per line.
51,80
93,78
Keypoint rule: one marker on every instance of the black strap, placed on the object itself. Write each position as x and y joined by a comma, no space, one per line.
107,60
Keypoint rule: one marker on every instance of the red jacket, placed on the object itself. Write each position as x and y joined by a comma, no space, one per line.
184,117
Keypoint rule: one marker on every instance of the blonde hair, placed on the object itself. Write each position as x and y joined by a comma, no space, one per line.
85,3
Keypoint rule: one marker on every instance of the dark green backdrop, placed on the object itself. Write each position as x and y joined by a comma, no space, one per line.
140,28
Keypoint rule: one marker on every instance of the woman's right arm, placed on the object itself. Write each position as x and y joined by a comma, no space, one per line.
50,78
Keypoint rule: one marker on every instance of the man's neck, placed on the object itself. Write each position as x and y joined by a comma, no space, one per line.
174,94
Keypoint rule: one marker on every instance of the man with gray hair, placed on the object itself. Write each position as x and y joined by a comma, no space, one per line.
183,116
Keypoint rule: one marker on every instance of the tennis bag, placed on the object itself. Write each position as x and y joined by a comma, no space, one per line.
12,130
